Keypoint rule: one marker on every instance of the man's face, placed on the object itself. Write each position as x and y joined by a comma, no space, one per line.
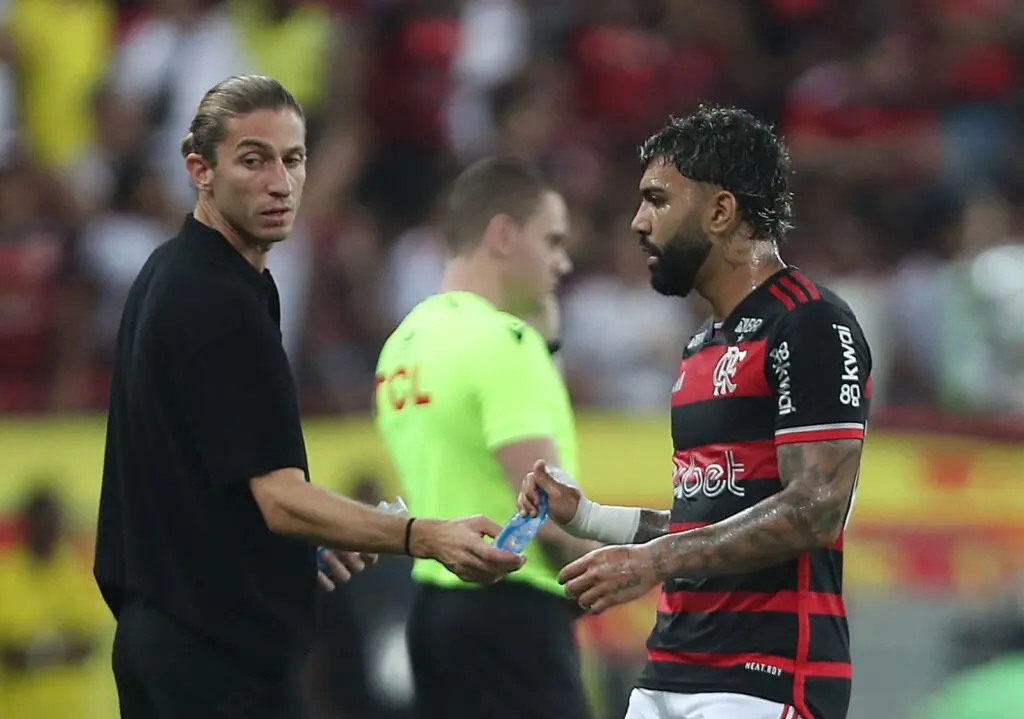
669,224
257,182
537,259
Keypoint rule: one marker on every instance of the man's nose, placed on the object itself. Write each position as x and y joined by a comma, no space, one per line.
563,266
640,223
280,184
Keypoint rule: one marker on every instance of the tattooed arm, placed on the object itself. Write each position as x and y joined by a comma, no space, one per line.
809,512
818,480
818,364
653,524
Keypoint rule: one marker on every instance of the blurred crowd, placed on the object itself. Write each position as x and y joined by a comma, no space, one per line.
904,119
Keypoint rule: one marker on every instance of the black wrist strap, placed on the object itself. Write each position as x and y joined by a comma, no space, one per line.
408,535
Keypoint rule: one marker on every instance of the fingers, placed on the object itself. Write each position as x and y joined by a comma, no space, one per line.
579,586
529,497
595,602
333,566
574,569
483,526
352,561
486,570
494,559
588,589
340,566
542,476
601,606
325,581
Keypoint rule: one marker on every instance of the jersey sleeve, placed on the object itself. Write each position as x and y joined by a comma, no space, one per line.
238,396
819,367
511,364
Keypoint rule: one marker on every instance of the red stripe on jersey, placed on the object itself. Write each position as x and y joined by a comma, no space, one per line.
837,546
867,388
718,371
831,670
806,284
819,433
803,634
790,602
756,459
795,290
782,297
676,527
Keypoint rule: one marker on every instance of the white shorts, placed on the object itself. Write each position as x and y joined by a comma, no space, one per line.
648,704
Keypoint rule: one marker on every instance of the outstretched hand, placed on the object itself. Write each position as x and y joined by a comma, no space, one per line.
610,576
459,545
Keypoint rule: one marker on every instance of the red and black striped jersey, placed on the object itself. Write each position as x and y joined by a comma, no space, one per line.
790,364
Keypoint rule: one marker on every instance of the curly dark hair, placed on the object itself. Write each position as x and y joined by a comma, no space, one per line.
730,148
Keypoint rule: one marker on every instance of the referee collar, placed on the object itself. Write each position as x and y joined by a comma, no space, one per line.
211,244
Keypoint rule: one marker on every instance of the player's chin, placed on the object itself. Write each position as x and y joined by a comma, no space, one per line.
272,228
663,284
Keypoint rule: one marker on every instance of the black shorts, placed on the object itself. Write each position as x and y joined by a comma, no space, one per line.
164,670
508,650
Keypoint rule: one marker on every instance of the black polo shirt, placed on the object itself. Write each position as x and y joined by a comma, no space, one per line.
202,400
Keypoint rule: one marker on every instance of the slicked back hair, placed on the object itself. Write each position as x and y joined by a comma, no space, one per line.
234,97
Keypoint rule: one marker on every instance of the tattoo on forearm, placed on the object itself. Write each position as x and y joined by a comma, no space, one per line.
818,479
653,524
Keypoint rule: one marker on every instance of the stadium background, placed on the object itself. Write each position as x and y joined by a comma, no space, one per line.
905,124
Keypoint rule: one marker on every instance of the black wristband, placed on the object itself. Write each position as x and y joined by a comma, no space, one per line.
554,346
408,535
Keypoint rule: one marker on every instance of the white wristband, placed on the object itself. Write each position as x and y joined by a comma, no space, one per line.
611,525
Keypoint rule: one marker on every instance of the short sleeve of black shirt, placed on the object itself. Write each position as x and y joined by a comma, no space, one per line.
819,368
239,399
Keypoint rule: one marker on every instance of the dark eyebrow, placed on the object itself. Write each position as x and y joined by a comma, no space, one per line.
249,142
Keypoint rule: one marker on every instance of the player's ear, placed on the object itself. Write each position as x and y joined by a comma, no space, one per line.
725,224
499,235
200,171
723,215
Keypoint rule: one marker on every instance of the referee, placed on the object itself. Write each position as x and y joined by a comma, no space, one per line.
207,523
468,399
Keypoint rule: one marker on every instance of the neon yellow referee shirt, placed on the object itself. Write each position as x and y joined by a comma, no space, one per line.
455,381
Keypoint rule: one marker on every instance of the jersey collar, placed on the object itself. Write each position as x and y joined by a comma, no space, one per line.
208,243
758,304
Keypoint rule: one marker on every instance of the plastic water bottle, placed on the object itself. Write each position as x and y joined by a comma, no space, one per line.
520,530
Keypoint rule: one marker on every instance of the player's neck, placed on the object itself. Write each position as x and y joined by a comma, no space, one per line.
735,281
255,254
466,274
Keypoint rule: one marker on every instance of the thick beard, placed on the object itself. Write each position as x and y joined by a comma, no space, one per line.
679,261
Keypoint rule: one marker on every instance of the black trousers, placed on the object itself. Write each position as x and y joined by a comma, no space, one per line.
165,670
502,651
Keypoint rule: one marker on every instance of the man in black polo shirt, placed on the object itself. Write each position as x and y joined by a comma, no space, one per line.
207,523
